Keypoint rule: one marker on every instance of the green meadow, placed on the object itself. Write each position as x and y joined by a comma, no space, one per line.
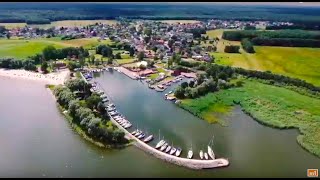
296,62
276,107
22,48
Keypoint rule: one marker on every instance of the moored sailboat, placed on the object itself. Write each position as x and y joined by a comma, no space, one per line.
201,154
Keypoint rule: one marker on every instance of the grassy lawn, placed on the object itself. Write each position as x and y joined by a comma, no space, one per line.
22,48
125,61
274,106
161,70
153,76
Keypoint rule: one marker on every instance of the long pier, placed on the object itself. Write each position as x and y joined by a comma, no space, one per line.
185,162
189,163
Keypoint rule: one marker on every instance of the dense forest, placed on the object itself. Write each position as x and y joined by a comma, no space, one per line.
40,13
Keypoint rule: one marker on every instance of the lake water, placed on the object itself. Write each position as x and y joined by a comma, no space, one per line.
36,141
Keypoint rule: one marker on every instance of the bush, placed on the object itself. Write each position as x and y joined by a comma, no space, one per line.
231,49
247,45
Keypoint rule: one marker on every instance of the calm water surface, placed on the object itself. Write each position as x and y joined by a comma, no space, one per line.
36,141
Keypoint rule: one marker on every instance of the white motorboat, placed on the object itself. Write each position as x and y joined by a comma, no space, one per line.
201,154
206,155
160,143
138,133
190,154
173,150
163,147
141,136
168,149
170,92
128,125
178,151
134,132
149,138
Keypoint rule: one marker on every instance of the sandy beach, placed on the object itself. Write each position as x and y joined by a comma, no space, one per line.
51,78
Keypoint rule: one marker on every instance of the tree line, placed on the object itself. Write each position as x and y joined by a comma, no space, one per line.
10,63
83,112
288,38
287,42
299,34
218,77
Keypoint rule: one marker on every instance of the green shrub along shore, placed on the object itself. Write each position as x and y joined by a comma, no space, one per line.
274,106
86,114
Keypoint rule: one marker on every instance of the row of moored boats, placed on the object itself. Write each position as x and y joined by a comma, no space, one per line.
165,147
142,136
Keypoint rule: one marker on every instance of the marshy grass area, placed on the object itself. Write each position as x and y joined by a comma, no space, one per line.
270,105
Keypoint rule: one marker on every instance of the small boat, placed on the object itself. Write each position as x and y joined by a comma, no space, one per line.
141,136
128,125
210,151
173,150
111,109
178,151
166,94
105,100
160,143
149,138
111,105
138,133
163,147
170,92
201,154
190,154
168,149
103,96
206,155
134,132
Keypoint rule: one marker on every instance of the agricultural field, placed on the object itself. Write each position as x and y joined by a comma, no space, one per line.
276,106
13,25
297,62
22,48
302,63
66,23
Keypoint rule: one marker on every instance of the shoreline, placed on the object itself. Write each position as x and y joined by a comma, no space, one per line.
50,78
